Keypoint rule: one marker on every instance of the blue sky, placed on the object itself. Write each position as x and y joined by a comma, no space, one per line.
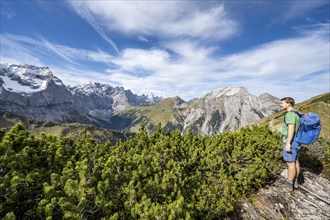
175,48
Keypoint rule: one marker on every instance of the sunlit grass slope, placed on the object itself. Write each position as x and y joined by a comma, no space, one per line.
318,104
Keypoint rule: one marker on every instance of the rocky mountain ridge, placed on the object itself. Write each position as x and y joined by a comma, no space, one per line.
234,107
31,91
216,112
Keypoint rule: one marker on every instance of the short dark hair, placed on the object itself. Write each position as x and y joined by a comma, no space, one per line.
289,100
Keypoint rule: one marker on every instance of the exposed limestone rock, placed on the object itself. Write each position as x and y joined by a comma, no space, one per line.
310,201
32,91
227,109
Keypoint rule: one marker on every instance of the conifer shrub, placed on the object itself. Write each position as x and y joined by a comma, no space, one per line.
164,175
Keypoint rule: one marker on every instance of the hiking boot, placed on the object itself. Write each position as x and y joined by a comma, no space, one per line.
296,184
285,184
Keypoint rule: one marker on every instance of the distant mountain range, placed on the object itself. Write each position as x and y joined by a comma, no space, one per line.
31,91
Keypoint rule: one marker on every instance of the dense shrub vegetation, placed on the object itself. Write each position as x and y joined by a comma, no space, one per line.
151,176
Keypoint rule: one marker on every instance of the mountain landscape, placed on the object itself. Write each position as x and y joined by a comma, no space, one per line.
161,109
97,122
35,92
31,91
35,97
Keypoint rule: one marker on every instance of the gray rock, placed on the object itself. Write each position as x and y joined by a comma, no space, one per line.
32,91
227,109
310,201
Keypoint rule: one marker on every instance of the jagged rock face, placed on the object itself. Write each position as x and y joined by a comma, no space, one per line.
102,97
227,109
269,103
32,91
216,112
310,201
35,92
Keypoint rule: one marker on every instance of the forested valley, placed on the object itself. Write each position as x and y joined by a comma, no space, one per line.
159,175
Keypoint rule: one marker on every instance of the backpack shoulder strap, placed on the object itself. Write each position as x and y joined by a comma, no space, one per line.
298,113
295,111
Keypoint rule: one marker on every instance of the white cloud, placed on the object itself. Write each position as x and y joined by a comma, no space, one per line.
280,58
149,60
276,67
141,38
88,16
209,24
56,50
292,56
158,18
71,75
11,45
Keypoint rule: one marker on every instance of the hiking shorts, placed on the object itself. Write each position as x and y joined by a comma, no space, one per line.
293,155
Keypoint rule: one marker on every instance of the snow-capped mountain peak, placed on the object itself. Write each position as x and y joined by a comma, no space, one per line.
91,87
26,78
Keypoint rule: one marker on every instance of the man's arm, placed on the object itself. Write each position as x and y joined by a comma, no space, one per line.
289,137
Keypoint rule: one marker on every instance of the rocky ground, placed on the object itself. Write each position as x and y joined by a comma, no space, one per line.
310,201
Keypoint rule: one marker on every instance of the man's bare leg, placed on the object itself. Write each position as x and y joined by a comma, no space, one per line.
292,171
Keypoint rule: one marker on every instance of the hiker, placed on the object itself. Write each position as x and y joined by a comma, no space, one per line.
290,146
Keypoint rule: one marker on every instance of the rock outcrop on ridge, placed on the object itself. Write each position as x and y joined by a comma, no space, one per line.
310,201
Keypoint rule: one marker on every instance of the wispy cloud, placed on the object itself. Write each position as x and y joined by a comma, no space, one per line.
14,51
6,11
12,45
86,14
282,58
56,50
158,18
141,38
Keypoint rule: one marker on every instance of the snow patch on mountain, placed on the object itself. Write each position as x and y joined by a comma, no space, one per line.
12,85
26,78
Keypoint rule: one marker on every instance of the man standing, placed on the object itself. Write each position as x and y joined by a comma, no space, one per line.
290,146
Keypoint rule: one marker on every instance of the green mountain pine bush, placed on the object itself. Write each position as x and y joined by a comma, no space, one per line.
163,175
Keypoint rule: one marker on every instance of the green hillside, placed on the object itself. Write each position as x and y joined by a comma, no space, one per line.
318,104
163,112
